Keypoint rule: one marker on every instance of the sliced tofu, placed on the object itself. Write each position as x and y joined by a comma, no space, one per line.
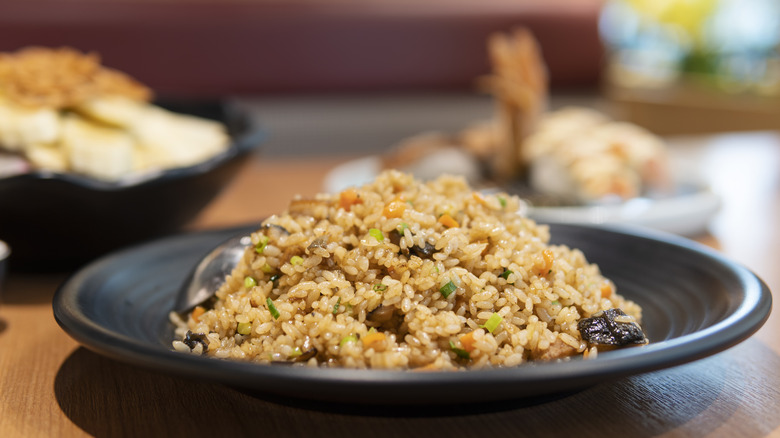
109,138
169,139
21,127
48,157
95,150
115,111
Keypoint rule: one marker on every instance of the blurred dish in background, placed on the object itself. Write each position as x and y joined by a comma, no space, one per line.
573,165
62,111
577,155
91,165
57,221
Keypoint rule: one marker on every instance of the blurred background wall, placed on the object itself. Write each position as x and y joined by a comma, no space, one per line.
214,48
672,66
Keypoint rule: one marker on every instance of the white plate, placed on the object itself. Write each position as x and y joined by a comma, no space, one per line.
686,213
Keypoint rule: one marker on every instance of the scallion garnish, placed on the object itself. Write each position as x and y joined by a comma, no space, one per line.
448,289
461,353
271,308
402,227
296,260
249,282
492,323
505,274
348,338
336,306
380,287
244,328
267,268
275,279
260,247
376,233
502,201
295,353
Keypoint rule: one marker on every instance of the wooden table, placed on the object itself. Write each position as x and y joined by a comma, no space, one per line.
51,386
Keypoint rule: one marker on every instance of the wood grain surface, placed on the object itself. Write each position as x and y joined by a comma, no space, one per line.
52,387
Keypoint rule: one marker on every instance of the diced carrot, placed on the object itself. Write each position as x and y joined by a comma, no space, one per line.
374,340
448,221
197,312
606,290
549,258
479,198
348,198
547,262
394,208
468,341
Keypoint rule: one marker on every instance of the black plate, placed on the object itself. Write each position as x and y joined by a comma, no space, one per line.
59,221
696,303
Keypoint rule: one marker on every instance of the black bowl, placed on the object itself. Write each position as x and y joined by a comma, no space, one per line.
58,221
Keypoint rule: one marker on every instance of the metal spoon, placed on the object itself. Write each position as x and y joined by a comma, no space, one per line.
210,273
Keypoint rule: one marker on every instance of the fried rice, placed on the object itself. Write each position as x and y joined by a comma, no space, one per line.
403,274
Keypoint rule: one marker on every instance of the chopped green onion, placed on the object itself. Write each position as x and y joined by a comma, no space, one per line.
502,201
371,330
448,289
267,268
244,328
260,247
348,338
275,279
556,303
296,260
492,323
506,274
336,306
271,308
402,227
461,353
380,287
295,353
376,233
249,282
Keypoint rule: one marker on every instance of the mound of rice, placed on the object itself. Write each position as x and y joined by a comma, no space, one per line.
400,274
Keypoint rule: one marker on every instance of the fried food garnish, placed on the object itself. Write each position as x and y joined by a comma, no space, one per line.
41,77
520,85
